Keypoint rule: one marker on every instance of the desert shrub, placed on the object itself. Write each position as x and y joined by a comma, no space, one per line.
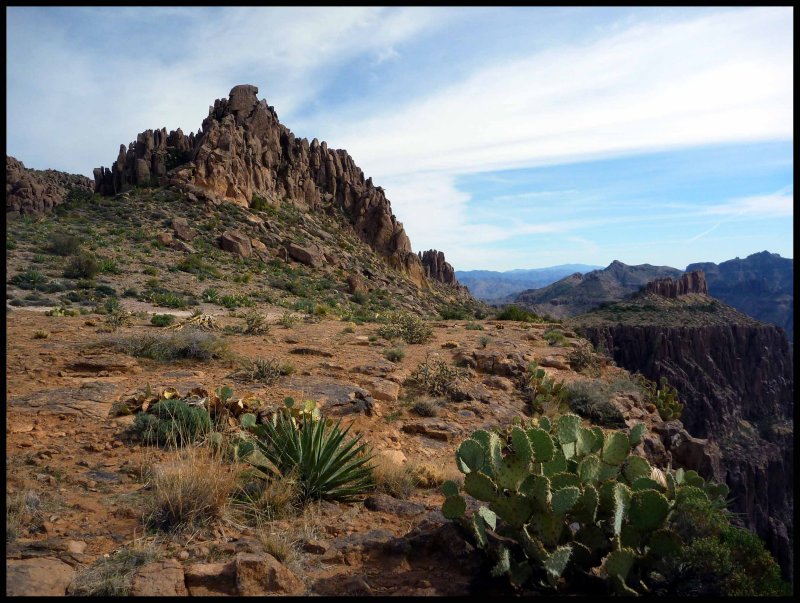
64,244
109,266
186,344
570,501
453,313
195,264
436,377
190,491
260,204
262,370
30,278
255,324
592,400
112,575
582,358
118,318
662,395
394,479
545,395
105,290
484,341
172,423
167,299
426,408
513,312
287,320
235,301
40,334
327,464
82,265
273,497
408,327
359,297
554,337
150,271
473,326
22,510
162,320
394,354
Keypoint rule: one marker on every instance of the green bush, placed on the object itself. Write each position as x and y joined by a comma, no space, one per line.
453,313
592,400
663,396
325,462
255,324
172,423
30,278
84,265
513,312
64,244
436,377
162,320
408,327
570,502
167,299
394,354
473,326
554,337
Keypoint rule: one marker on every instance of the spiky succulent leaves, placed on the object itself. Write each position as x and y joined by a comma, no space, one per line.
692,478
328,465
622,501
515,509
449,488
541,444
454,507
607,472
585,510
589,469
532,545
588,442
645,483
616,448
564,499
636,467
480,486
648,510
537,489
488,516
544,423
569,450
717,491
637,432
556,563
521,444
567,428
470,456
510,472
494,455
503,562
557,465
619,563
663,543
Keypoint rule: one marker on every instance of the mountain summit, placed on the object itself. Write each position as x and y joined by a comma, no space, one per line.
244,155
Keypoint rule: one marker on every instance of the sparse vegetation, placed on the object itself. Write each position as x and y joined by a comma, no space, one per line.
189,343
592,400
255,324
22,511
41,334
112,575
425,408
554,337
172,423
408,327
162,320
394,354
513,312
394,479
262,370
82,265
545,395
64,244
436,377
30,278
473,326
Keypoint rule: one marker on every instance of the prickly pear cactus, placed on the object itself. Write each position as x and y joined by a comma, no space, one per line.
574,499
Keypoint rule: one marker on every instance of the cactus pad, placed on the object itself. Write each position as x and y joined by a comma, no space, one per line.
616,448
645,483
522,445
488,516
589,469
503,562
622,501
619,563
454,507
510,472
557,465
649,510
470,456
564,499
480,486
547,527
636,467
585,509
537,489
637,432
557,563
567,428
541,444
587,442
564,479
449,488
544,423
515,509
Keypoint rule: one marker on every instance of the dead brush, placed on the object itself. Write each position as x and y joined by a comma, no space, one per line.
436,377
112,575
255,324
190,490
261,370
394,479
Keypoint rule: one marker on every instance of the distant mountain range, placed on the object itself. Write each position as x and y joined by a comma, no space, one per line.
497,287
760,286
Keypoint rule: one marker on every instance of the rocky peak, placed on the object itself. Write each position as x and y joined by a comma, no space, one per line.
38,191
437,268
243,152
690,282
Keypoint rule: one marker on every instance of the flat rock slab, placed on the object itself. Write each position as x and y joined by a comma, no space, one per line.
159,579
37,577
432,428
388,504
93,399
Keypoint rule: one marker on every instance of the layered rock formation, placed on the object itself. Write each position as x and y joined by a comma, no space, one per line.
734,377
38,191
243,153
689,282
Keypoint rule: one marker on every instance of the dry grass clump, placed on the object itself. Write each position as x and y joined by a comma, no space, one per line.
190,343
262,370
429,475
272,498
193,489
112,576
40,334
394,479
22,511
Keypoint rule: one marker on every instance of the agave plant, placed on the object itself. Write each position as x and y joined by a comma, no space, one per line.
328,464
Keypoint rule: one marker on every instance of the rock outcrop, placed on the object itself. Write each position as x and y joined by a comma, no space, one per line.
689,282
39,191
736,384
243,153
437,268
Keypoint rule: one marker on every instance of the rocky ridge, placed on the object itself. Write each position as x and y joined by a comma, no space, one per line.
244,155
38,191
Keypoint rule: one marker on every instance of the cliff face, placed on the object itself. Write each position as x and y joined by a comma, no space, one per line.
690,282
736,383
38,191
244,154
437,268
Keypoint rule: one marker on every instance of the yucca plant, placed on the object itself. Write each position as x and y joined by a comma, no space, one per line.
327,464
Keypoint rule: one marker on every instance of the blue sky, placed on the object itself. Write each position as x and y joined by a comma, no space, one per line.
506,137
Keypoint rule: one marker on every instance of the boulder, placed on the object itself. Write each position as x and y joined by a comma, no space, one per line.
309,254
159,579
182,229
204,579
37,577
264,575
236,242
